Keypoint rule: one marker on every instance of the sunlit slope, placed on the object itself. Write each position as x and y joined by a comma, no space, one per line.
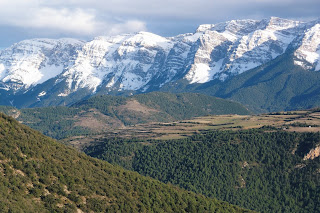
38,174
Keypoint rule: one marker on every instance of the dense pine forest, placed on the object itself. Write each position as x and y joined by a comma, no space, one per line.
265,170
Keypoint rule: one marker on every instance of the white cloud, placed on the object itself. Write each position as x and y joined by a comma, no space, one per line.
129,26
200,9
77,21
70,20
89,18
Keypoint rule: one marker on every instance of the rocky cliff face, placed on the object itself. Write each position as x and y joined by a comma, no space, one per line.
312,154
307,54
52,69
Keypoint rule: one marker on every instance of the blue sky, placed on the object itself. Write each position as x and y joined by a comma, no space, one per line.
85,19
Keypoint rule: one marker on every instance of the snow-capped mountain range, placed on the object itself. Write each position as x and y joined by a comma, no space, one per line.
144,61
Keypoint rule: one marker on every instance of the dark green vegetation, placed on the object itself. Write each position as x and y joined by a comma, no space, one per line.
102,113
275,86
159,106
38,174
262,169
56,122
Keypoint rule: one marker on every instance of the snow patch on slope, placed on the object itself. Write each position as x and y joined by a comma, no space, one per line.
63,94
48,72
199,74
43,93
2,71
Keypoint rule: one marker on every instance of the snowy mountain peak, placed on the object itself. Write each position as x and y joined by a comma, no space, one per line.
147,39
278,24
34,61
235,26
204,27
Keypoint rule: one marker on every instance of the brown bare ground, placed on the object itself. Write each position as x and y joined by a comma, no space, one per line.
97,121
134,105
303,129
18,172
15,113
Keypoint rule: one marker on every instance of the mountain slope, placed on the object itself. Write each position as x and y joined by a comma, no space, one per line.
44,72
39,174
104,113
276,86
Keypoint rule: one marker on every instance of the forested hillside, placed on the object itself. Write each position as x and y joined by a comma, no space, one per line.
265,169
104,113
38,174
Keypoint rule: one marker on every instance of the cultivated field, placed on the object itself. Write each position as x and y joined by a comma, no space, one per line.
300,121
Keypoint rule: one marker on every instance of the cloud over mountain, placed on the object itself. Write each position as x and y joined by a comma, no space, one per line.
21,19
